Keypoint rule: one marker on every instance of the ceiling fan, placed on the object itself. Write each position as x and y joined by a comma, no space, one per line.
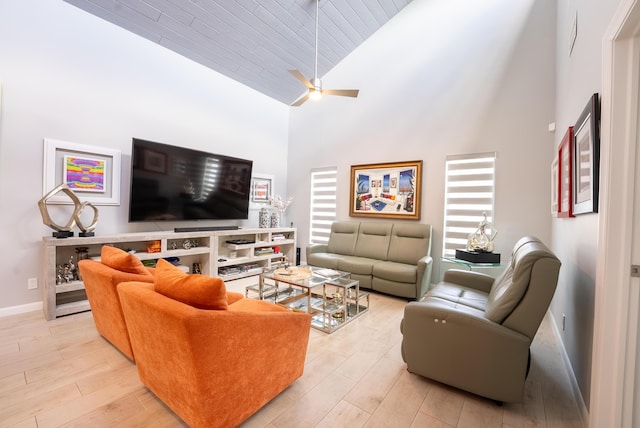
315,84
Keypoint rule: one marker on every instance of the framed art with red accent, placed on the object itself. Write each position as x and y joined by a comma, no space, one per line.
565,175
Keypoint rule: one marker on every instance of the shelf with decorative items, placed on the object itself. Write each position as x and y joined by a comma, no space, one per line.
274,217
246,252
195,252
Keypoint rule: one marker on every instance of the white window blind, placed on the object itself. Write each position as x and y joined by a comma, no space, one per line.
323,204
469,193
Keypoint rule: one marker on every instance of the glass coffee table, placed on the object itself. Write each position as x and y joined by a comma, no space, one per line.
330,296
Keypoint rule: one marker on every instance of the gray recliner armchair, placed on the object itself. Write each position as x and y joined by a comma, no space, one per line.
473,331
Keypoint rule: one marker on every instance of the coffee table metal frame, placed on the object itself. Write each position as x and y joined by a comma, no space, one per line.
330,296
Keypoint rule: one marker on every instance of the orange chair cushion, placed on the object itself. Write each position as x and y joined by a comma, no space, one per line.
120,260
199,291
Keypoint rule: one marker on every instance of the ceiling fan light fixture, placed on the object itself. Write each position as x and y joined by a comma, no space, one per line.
315,94
314,85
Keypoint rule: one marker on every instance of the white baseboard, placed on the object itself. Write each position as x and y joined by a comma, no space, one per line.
21,309
584,413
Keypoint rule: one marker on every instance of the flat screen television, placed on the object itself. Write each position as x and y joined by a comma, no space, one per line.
171,183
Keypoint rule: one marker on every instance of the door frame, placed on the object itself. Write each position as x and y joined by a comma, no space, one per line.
616,307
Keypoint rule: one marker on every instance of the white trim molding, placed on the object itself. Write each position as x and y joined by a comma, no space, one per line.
21,309
615,322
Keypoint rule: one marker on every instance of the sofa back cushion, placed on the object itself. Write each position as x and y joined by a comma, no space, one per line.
509,288
343,237
199,291
373,240
120,260
409,243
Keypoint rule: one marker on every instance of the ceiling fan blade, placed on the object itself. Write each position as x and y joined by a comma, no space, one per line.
300,100
301,78
341,92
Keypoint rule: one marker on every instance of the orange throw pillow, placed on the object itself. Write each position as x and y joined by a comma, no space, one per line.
120,260
199,291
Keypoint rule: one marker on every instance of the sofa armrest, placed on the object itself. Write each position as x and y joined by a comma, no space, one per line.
476,280
423,284
316,248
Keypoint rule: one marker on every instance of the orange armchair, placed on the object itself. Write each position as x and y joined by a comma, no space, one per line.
213,357
100,282
213,368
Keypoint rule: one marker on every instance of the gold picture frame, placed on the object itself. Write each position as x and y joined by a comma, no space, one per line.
386,190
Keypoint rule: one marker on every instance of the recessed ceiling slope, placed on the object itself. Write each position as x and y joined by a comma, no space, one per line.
253,42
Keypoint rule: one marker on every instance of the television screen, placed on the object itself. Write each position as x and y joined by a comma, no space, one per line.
171,183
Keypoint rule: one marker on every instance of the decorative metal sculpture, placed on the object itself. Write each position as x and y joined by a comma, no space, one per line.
74,219
480,240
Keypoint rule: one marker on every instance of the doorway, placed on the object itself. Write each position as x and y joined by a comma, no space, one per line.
616,361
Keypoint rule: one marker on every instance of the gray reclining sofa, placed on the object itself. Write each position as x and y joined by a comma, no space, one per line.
473,331
391,258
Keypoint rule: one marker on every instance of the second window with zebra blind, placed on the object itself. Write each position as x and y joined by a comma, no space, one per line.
323,204
469,193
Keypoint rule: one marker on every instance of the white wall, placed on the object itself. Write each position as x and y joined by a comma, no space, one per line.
70,76
442,78
575,240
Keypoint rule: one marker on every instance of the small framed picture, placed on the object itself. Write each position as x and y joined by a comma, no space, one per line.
565,175
555,185
586,158
261,188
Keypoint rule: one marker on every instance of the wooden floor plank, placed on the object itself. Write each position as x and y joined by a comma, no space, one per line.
62,373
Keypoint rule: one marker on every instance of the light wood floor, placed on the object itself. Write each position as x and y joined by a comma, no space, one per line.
62,373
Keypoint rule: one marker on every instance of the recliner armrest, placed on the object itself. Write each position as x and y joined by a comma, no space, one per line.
476,280
458,346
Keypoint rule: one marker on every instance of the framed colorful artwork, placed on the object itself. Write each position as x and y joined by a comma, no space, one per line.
565,175
93,173
386,190
85,174
586,158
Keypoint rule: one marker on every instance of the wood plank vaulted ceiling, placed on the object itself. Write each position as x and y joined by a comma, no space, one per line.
253,42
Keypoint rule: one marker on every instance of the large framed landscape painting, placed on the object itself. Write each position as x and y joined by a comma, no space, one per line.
386,190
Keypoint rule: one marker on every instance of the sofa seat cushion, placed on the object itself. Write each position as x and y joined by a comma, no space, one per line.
398,272
357,265
120,260
460,295
389,286
325,260
199,291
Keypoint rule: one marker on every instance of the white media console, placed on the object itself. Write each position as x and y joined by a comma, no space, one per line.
229,254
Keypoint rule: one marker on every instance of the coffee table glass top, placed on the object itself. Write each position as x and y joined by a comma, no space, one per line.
305,276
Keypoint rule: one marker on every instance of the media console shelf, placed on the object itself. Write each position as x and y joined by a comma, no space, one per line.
260,248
